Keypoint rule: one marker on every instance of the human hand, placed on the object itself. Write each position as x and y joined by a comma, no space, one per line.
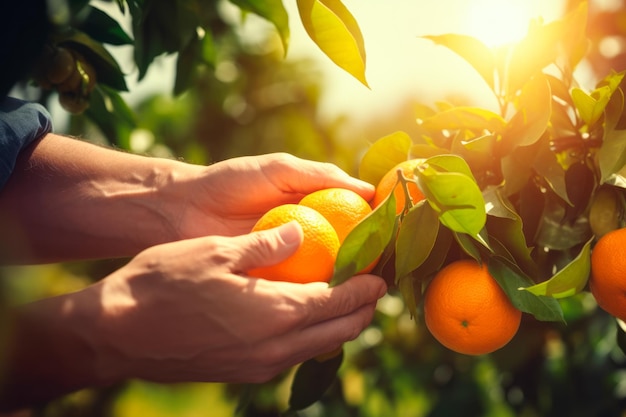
128,202
185,311
227,198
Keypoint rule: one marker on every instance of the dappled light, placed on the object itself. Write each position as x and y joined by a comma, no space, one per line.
497,23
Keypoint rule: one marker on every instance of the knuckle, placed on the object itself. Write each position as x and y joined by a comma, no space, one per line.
271,359
354,331
264,246
275,354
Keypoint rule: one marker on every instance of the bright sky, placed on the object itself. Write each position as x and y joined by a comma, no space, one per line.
399,63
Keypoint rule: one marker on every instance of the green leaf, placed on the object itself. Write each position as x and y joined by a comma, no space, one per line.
580,181
335,31
532,117
574,40
517,167
559,88
209,49
555,233
501,250
612,81
423,151
103,28
507,226
271,10
612,155
614,115
477,151
108,110
568,281
470,118
472,50
121,5
589,108
105,65
161,27
410,295
366,241
468,246
454,195
451,163
438,254
585,104
416,238
76,6
383,155
311,380
186,63
511,279
546,164
457,199
532,54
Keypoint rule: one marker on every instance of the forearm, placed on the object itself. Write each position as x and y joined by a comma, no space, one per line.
52,350
68,199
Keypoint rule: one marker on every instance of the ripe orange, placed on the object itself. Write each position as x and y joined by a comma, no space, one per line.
389,182
466,310
315,258
608,273
343,208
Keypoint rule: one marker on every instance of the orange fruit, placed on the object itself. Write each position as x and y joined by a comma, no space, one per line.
608,273
343,208
315,258
466,310
389,183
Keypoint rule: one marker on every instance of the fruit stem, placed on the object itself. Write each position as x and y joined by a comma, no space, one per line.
408,203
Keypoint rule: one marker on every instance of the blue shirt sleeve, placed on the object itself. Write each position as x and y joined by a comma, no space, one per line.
21,123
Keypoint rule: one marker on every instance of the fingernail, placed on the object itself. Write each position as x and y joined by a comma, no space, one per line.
291,233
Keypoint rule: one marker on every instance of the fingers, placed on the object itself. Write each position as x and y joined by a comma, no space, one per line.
330,334
311,176
337,315
279,353
343,299
333,176
268,247
329,317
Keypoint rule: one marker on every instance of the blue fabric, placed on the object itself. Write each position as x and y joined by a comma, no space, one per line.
21,123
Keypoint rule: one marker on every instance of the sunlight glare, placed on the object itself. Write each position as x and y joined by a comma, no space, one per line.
402,65
499,22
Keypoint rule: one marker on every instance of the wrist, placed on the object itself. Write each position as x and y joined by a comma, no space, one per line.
53,350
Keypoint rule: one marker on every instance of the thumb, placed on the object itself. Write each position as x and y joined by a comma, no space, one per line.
269,247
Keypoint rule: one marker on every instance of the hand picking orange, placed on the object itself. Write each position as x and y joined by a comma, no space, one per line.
466,310
315,258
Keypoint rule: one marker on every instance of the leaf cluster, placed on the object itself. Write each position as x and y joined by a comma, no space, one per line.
527,188
196,31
